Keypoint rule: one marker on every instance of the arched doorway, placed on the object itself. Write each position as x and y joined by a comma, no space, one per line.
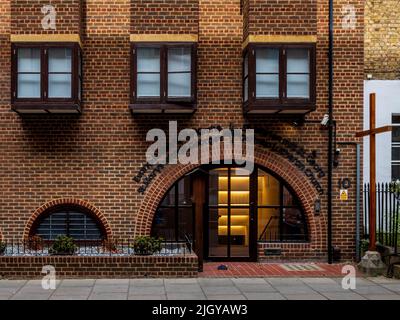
227,211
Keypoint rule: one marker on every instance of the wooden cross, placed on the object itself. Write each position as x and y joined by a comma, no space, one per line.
372,132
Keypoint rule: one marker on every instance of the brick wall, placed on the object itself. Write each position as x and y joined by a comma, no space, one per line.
26,16
94,157
382,39
165,16
280,17
100,267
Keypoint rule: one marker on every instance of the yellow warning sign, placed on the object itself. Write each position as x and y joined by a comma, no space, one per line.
344,195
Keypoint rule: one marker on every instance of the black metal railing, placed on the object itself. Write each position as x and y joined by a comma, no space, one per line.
387,214
91,248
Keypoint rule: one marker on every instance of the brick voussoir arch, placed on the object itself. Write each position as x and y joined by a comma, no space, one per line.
70,202
302,187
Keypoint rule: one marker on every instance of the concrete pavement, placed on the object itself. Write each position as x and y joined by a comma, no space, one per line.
203,289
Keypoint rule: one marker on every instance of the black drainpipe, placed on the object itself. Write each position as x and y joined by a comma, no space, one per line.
331,122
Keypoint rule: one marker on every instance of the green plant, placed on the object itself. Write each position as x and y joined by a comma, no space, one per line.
63,245
2,248
147,245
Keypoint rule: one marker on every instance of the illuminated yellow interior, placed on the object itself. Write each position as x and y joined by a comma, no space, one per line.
240,196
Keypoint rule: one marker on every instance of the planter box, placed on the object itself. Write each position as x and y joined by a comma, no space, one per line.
100,267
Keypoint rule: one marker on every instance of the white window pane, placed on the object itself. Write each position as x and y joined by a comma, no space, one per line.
267,86
298,86
28,60
59,86
60,59
148,60
179,85
148,85
246,89
28,86
298,61
267,60
179,59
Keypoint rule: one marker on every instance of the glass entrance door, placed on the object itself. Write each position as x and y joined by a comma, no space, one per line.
229,213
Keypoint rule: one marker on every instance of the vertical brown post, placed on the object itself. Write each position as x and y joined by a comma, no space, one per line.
199,189
372,174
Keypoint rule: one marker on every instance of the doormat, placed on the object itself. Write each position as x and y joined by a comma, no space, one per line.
301,267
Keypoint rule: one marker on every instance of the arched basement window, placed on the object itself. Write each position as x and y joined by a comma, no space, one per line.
280,216
174,218
70,221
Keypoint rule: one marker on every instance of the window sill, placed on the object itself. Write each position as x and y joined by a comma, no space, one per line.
173,108
46,107
285,109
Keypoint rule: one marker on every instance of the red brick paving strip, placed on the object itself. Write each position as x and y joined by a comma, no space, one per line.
243,269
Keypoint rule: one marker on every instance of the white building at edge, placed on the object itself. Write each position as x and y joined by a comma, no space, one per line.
387,107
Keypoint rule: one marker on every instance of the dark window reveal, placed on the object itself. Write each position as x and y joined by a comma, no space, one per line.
46,77
279,79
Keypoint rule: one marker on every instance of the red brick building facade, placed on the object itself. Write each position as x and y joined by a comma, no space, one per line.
90,159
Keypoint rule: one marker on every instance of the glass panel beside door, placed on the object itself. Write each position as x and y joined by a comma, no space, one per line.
229,213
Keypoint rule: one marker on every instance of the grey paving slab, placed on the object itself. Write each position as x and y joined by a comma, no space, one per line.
295,289
221,290
307,296
38,283
364,290
74,297
229,297
12,283
364,282
146,282
318,281
215,282
149,297
34,290
284,281
77,283
146,290
108,296
29,296
382,296
264,296
392,287
4,296
71,291
186,296
181,281
256,287
326,287
183,288
113,282
345,295
200,289
249,281
9,290
111,288
383,280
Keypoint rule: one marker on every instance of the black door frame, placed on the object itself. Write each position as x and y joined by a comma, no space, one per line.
253,250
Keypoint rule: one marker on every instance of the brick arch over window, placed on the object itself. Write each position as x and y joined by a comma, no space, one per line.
302,187
67,202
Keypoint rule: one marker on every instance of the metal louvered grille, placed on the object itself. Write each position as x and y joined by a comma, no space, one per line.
77,225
